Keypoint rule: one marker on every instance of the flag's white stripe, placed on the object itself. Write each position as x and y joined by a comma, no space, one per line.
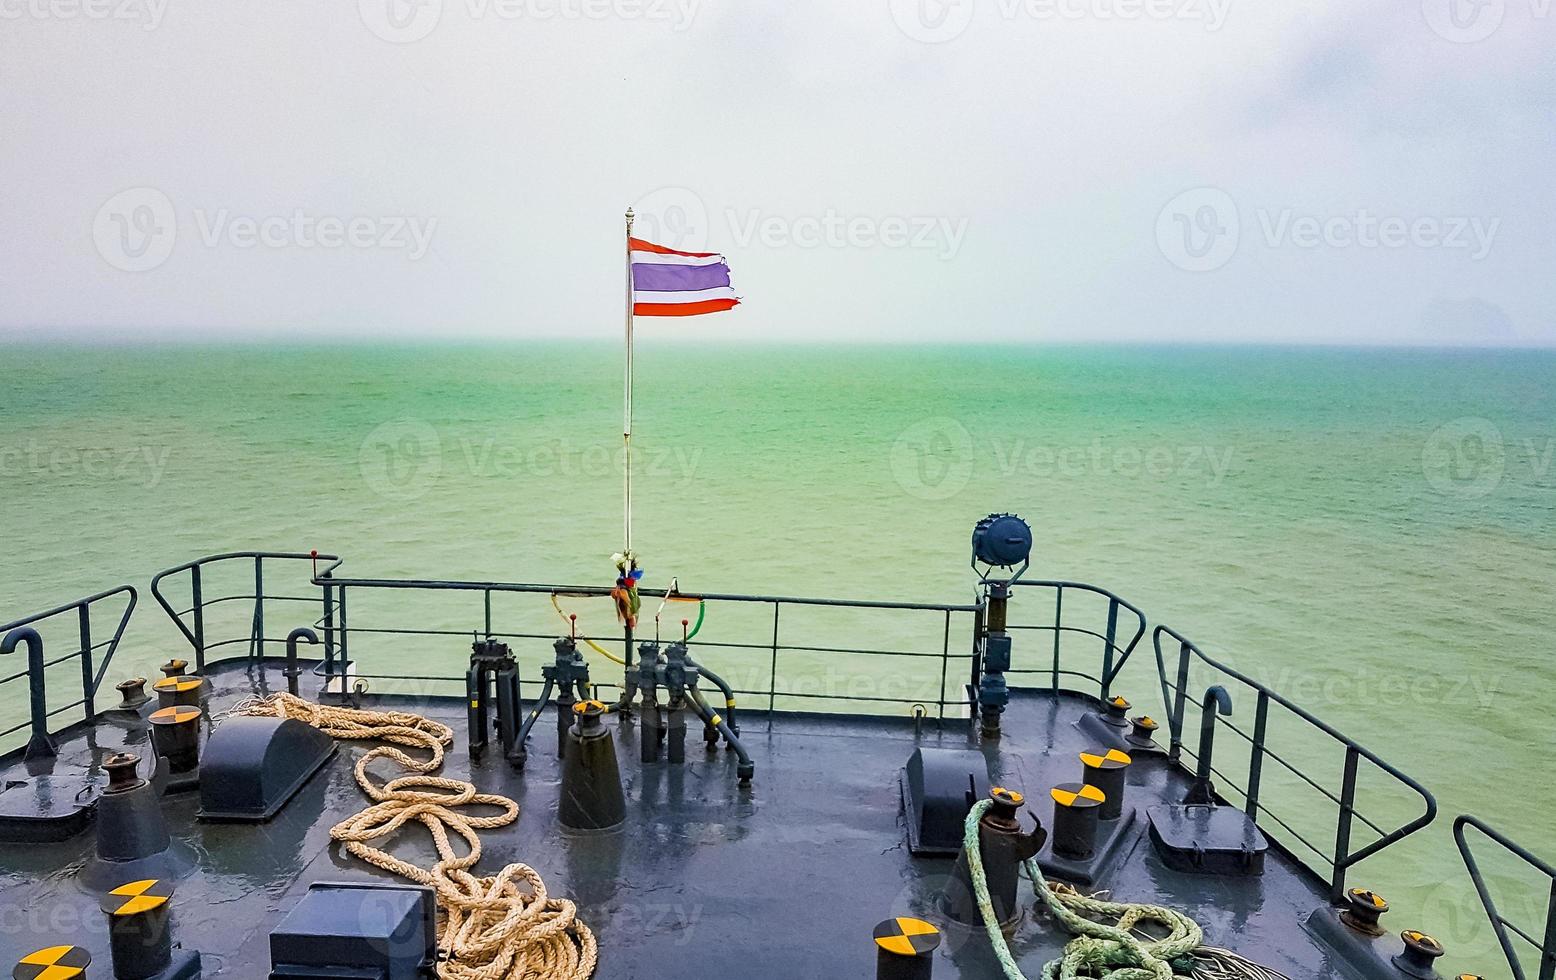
690,296
659,258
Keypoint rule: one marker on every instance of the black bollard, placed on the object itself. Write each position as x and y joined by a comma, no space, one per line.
1076,809
1003,846
175,734
1106,770
183,689
905,949
140,935
591,781
62,962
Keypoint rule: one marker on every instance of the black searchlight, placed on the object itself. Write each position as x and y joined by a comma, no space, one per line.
1001,541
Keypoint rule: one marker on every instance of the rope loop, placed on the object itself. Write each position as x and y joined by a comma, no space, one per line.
491,928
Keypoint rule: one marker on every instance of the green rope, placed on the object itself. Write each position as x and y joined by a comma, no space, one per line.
1104,952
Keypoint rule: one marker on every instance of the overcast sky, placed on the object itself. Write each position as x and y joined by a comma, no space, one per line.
1009,170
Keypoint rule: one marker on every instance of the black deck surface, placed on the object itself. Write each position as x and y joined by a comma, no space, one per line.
784,879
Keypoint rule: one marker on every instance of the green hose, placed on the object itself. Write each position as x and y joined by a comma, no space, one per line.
1103,952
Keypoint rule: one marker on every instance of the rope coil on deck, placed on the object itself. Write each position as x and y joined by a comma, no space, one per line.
1109,952
495,927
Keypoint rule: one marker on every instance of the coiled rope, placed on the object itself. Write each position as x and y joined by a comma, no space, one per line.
493,928
1106,952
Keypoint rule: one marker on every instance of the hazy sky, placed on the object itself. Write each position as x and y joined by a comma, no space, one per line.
1044,170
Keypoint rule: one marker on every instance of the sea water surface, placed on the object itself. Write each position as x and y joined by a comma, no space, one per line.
1371,532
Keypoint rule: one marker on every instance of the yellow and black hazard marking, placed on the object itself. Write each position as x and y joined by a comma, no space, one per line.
138,897
53,963
1120,702
903,936
583,706
1111,759
1146,721
1421,939
176,715
1366,897
1078,794
1008,795
178,684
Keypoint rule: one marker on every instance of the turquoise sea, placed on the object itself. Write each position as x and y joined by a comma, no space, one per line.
1372,532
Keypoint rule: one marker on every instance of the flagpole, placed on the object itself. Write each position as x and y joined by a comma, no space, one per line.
626,426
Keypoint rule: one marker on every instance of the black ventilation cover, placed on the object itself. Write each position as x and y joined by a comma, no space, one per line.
939,788
252,766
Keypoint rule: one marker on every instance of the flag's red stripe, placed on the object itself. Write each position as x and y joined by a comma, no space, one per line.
683,309
638,244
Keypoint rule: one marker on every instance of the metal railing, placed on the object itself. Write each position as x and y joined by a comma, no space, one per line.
338,626
1505,928
1341,857
30,631
194,629
1114,655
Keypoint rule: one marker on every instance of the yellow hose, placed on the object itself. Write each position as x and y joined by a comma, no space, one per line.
593,645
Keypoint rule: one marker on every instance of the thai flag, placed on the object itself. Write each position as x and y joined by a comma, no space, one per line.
666,282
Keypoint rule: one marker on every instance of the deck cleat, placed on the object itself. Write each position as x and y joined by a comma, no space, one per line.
1106,770
179,689
1363,910
53,963
132,694
1420,954
1142,731
132,836
1115,711
905,949
1077,808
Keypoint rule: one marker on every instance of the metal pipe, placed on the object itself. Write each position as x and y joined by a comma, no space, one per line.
747,768
729,692
40,744
1216,700
520,746
292,670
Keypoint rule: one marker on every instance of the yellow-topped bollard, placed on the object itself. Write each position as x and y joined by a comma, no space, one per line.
53,963
905,949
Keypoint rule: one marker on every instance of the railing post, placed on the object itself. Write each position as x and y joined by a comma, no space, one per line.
1548,953
1342,837
257,641
1261,717
945,663
197,595
487,602
345,630
1107,652
772,673
88,685
977,661
1058,629
1175,747
329,629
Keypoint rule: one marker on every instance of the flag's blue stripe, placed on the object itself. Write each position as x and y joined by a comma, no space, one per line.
678,278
